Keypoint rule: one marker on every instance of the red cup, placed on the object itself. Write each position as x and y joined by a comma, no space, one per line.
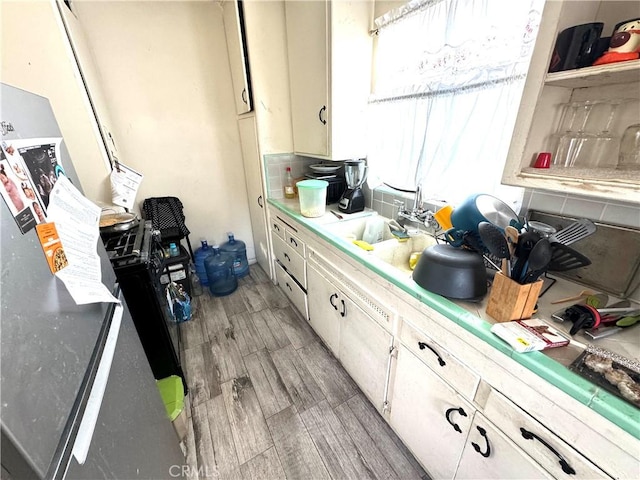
543,160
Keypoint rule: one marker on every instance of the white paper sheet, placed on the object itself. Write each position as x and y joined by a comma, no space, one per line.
77,220
124,185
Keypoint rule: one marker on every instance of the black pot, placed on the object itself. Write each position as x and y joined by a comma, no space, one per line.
451,272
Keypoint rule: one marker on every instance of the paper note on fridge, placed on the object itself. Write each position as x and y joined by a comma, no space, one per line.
124,185
76,220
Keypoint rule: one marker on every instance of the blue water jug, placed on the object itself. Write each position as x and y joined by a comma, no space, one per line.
238,250
200,256
219,266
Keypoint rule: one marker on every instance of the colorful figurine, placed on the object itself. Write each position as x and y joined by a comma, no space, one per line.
625,43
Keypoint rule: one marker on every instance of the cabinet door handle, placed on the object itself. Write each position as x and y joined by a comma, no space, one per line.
276,227
288,286
286,255
476,447
423,345
335,295
566,468
260,201
244,95
461,411
323,109
343,312
293,240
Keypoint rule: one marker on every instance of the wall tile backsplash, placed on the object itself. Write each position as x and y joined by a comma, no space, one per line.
616,213
385,200
276,169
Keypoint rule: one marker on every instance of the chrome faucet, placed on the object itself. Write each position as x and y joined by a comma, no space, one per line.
417,214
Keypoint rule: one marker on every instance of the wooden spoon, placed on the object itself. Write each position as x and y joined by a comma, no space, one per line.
583,293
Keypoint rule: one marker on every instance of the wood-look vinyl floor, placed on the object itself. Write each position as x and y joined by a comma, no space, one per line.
267,400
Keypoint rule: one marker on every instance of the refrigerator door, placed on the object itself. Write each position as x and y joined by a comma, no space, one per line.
133,437
50,346
46,339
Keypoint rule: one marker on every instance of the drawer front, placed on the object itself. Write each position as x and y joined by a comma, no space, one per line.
544,447
277,228
292,290
295,243
293,263
448,367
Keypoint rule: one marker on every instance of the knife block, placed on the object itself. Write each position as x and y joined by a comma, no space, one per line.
509,300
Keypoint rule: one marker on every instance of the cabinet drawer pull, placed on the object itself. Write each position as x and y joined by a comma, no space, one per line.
244,95
566,468
335,295
286,255
323,109
293,240
260,201
343,312
476,447
461,411
288,286
423,345
276,227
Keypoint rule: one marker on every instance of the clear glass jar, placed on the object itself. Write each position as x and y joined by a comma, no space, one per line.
629,157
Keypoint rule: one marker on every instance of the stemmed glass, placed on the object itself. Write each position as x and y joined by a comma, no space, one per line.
554,138
578,150
561,153
607,144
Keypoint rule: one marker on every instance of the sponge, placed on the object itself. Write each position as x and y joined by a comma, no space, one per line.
400,235
363,245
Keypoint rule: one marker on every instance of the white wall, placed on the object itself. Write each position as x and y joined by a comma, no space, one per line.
36,58
167,79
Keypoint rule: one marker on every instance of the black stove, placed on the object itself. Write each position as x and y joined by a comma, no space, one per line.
138,261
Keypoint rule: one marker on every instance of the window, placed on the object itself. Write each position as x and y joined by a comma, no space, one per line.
449,76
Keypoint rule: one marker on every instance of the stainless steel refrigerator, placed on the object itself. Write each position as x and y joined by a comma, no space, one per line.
52,352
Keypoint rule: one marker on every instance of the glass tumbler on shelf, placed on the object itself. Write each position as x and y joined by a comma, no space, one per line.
578,143
629,157
601,150
561,152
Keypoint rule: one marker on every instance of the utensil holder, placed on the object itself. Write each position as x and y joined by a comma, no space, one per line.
509,300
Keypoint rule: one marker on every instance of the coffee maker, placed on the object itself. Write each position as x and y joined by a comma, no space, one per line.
355,173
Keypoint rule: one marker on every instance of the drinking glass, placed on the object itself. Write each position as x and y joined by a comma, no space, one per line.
629,158
561,153
600,149
578,151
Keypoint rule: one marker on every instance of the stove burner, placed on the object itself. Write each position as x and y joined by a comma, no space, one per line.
130,246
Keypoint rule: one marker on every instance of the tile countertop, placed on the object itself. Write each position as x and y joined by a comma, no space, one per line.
550,365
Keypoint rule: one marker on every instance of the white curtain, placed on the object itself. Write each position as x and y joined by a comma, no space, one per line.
448,81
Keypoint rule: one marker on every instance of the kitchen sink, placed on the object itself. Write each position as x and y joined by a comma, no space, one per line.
397,254
390,250
354,229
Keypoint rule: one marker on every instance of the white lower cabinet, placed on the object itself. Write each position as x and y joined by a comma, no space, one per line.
324,308
364,351
488,453
359,342
428,415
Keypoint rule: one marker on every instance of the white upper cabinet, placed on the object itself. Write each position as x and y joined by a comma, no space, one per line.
236,47
539,123
329,49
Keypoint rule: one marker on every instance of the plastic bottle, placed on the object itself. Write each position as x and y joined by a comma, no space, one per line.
194,280
238,250
219,266
200,256
289,191
173,250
